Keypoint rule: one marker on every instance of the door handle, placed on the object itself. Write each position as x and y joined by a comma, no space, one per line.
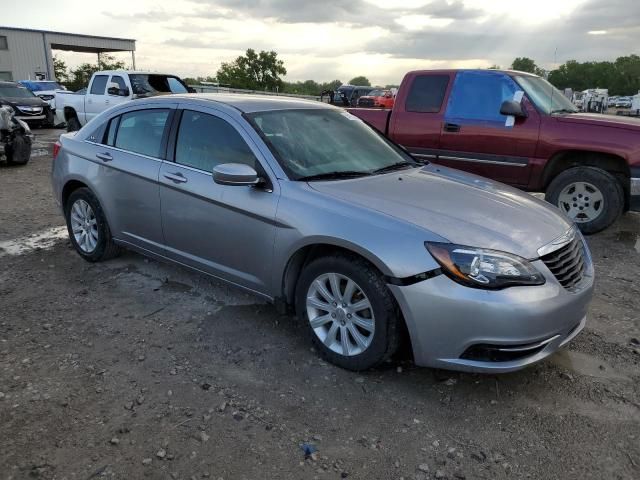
105,157
451,127
176,177
106,102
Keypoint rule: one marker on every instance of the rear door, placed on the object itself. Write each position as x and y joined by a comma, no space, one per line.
416,119
96,98
227,231
477,138
129,156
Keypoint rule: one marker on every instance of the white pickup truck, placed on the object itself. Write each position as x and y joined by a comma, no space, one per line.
112,87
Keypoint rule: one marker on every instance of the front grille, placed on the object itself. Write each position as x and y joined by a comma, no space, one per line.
567,263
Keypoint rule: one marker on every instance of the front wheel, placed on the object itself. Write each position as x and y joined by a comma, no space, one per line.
591,197
349,311
73,124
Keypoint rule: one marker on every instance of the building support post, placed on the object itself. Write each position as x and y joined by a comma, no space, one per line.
133,59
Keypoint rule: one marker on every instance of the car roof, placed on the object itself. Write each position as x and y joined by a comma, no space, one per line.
246,103
132,72
456,70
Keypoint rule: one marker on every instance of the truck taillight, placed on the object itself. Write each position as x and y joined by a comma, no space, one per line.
56,149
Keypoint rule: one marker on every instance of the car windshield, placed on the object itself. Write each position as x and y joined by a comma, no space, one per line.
546,97
376,93
153,84
317,142
15,92
43,86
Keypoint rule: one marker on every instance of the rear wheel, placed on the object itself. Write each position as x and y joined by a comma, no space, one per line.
88,228
591,197
349,311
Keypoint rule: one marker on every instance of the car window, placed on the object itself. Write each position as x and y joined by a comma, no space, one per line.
205,141
141,131
99,84
427,93
112,128
477,97
119,80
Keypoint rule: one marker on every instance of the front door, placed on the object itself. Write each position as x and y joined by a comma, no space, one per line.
112,100
477,138
227,231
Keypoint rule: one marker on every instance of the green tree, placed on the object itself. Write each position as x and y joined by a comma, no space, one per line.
621,77
254,71
60,70
524,64
360,80
79,77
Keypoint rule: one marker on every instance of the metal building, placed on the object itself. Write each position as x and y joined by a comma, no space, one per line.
26,54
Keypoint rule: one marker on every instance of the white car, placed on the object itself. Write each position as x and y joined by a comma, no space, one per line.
112,87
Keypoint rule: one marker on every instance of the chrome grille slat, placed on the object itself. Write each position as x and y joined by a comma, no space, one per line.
567,263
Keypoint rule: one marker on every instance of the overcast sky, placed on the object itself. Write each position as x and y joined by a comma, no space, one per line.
329,39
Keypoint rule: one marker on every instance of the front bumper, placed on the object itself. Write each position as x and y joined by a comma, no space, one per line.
449,323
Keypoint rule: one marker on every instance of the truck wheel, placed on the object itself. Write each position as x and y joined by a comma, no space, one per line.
349,311
18,152
590,196
73,124
88,228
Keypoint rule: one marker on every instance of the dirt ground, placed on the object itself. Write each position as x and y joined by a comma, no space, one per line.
135,369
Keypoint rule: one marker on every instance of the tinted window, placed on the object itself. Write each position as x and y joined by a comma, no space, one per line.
152,84
205,141
141,131
427,93
111,131
477,96
119,80
99,84
3,43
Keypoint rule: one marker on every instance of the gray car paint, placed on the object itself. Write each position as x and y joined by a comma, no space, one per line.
248,236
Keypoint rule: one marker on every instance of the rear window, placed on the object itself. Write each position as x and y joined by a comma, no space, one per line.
427,93
141,131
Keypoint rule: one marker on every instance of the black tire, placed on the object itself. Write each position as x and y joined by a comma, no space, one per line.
18,151
105,247
385,310
73,124
611,189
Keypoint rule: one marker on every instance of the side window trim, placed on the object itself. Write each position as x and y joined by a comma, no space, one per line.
105,135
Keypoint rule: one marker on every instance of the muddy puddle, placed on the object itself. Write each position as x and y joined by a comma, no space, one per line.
587,365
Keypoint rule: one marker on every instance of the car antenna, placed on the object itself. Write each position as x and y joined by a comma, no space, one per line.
555,62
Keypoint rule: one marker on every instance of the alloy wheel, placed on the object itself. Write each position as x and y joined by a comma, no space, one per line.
340,314
581,201
84,225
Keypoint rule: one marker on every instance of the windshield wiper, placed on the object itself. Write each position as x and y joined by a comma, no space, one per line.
334,175
563,110
395,166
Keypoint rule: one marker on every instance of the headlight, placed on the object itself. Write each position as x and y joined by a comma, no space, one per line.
480,268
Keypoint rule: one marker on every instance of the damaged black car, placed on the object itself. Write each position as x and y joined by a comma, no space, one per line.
15,138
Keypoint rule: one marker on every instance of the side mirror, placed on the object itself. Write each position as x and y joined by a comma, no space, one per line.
114,89
513,108
235,174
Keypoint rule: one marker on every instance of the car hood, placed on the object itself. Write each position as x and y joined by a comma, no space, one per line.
616,121
463,208
31,102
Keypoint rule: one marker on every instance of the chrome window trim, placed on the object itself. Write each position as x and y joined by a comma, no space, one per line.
477,160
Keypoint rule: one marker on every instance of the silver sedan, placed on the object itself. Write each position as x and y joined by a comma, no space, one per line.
306,206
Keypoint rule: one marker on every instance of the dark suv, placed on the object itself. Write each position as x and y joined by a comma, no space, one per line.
26,106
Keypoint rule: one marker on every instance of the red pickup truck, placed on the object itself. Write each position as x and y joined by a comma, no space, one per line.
517,128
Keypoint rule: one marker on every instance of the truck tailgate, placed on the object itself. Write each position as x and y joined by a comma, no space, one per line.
377,118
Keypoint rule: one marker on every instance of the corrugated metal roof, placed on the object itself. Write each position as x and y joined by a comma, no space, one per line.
66,33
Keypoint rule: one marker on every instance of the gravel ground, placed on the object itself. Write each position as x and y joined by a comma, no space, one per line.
136,369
